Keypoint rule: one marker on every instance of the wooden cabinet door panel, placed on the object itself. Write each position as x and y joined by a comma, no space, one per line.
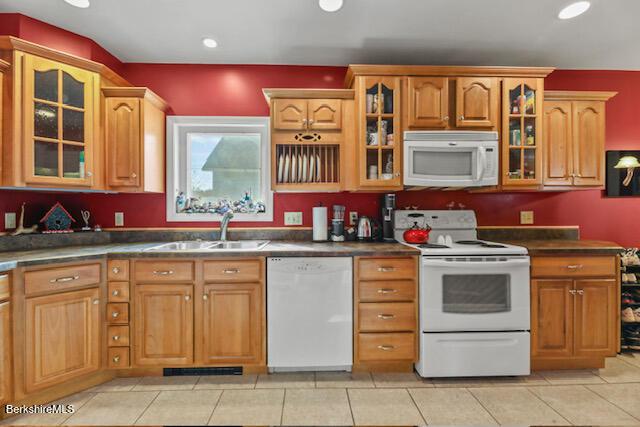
595,317
428,102
163,324
477,102
325,114
62,337
232,323
5,353
123,136
289,114
552,305
558,143
588,129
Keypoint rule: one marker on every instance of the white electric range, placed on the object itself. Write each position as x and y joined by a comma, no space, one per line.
474,298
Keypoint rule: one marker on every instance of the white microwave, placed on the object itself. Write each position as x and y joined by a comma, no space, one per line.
451,158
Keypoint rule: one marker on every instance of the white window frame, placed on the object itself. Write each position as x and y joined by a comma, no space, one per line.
177,151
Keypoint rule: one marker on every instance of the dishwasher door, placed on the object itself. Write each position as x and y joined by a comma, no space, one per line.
309,314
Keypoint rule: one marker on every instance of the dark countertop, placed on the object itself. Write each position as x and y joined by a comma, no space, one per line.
11,260
557,246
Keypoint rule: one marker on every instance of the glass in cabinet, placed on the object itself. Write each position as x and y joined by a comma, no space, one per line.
58,122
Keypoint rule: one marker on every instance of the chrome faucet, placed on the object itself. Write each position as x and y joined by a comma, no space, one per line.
224,224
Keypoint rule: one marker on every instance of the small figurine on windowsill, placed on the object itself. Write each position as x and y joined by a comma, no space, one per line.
57,220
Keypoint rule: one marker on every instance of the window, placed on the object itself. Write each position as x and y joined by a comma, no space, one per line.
216,164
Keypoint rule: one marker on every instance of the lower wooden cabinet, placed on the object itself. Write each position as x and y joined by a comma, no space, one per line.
62,335
163,324
232,323
573,318
5,353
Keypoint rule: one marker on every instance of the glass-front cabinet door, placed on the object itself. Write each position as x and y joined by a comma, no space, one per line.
522,132
380,132
58,123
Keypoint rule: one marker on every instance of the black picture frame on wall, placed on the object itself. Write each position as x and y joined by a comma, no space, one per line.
615,188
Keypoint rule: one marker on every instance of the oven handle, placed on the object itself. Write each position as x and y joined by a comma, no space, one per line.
475,265
482,162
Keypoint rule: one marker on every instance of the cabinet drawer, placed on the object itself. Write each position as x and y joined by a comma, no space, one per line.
386,316
118,291
387,268
243,270
386,347
118,336
573,266
5,290
118,357
117,313
61,278
118,269
387,290
164,271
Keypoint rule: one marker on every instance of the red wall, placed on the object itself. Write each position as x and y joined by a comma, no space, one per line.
236,90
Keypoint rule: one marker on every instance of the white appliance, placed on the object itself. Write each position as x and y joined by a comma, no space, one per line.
474,299
309,314
451,158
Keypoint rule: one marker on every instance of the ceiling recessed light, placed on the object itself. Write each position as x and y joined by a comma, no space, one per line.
331,5
574,9
79,3
210,43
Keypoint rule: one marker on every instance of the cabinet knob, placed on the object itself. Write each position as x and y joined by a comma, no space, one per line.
580,291
205,297
115,314
116,338
311,121
461,117
579,175
115,293
89,173
397,174
115,270
187,297
572,291
134,175
445,118
116,359
96,301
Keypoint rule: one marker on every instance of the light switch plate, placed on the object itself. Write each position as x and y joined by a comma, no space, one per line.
119,219
9,220
353,218
293,218
526,217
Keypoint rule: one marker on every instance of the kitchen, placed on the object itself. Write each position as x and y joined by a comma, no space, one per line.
316,244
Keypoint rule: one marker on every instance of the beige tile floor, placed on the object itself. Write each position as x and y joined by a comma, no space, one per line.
609,396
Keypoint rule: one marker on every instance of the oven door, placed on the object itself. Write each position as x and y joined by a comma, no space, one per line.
444,164
464,294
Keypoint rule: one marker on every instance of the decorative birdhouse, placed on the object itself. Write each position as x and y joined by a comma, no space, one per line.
57,220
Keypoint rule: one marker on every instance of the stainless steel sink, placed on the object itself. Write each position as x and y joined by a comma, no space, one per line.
213,246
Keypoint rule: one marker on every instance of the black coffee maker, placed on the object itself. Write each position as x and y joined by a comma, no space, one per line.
388,211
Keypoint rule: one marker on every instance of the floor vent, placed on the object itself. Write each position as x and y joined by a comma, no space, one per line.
176,372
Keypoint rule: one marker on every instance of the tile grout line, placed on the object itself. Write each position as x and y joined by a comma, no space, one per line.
482,406
550,407
284,399
147,408
76,411
613,403
353,418
215,407
416,406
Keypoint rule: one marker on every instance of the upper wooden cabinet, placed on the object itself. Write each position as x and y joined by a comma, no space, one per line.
310,129
574,138
428,102
62,335
477,102
134,133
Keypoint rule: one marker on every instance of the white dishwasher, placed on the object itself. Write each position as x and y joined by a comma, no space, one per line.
309,314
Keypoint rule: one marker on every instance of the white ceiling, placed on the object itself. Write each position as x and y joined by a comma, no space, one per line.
455,32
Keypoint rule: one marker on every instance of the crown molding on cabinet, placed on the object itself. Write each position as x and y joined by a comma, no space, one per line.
577,95
136,92
308,93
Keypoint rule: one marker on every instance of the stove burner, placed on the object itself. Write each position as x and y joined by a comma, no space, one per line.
481,244
433,246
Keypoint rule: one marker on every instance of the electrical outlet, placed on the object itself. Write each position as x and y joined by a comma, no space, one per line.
9,220
119,219
526,217
353,218
293,218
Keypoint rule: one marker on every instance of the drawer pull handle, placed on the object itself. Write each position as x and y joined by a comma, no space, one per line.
116,359
574,266
386,269
116,338
115,314
115,293
115,270
231,271
387,291
163,272
387,347
386,316
64,279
